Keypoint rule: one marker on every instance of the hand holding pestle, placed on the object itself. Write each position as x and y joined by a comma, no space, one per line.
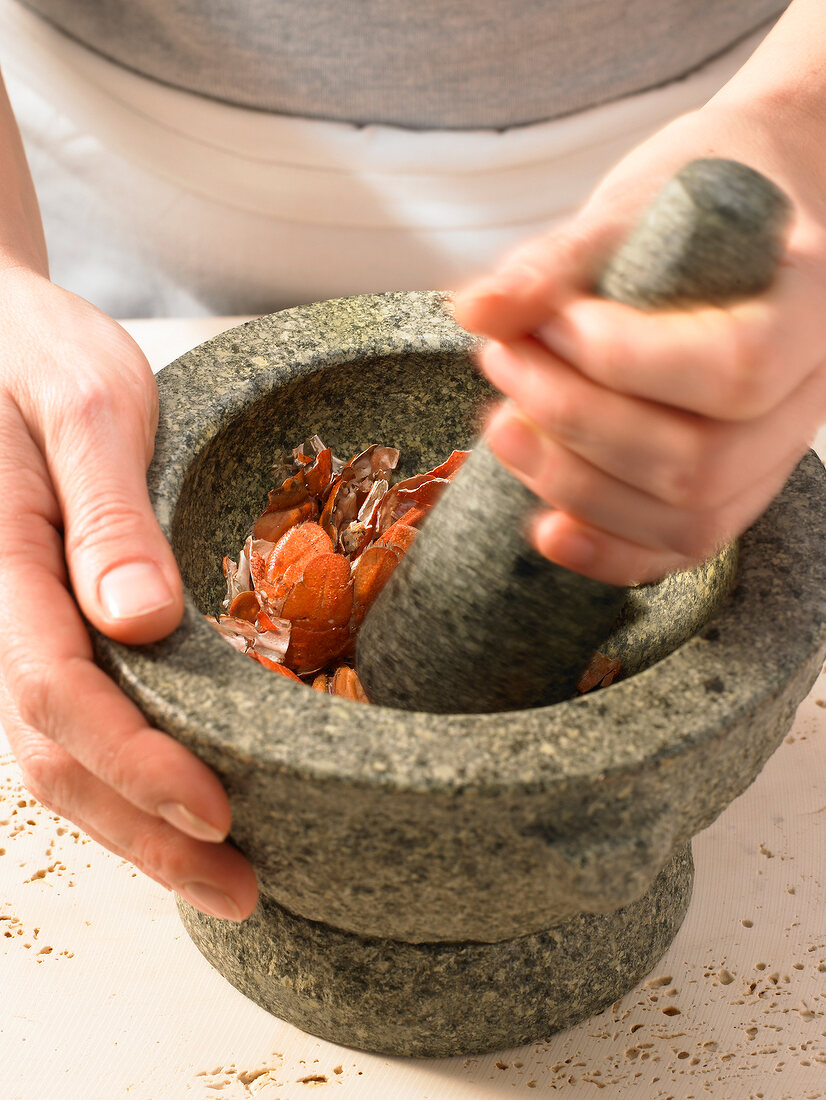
474,619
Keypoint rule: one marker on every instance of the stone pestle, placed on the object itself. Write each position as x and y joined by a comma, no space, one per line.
474,620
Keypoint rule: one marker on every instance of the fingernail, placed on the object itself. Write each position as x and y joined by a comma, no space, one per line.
178,815
572,549
557,340
578,550
132,590
499,365
514,442
210,899
483,288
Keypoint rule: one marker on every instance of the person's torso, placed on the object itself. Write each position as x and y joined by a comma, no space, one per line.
421,63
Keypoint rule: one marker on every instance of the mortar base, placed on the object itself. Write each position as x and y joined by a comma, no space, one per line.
442,999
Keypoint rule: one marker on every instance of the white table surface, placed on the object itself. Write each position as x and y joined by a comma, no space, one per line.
104,996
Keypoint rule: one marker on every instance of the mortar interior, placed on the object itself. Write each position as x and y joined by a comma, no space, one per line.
388,399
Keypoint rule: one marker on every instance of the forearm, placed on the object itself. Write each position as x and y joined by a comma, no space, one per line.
22,243
779,95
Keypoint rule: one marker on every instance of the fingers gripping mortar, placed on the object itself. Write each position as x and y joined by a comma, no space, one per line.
474,620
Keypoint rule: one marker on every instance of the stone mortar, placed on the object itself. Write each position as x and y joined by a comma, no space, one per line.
431,850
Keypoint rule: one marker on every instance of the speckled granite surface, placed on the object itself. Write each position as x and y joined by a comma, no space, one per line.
439,999
417,827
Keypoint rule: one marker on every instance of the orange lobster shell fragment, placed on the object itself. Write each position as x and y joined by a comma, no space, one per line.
365,476
272,525
245,606
373,569
294,550
273,666
252,638
418,494
319,607
342,681
297,498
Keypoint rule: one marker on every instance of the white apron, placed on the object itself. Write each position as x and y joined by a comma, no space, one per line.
158,202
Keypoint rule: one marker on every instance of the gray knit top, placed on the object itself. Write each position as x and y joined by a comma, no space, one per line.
414,63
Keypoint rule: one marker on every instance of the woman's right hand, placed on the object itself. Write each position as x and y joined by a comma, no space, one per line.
78,411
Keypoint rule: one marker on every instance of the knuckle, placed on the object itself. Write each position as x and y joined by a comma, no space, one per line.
561,415
698,537
690,476
156,851
103,519
527,269
567,482
47,777
26,681
743,390
681,489
119,763
88,401
605,352
122,405
529,258
111,763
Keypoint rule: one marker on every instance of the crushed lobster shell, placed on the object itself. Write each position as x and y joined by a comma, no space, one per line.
601,671
421,489
243,636
341,681
238,576
320,553
365,476
358,533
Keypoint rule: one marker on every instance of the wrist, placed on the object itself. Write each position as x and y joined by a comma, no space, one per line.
20,281
25,253
773,135
774,108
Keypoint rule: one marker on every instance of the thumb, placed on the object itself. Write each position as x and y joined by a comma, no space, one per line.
121,567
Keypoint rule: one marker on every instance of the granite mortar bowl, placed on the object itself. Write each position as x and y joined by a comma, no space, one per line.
440,884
